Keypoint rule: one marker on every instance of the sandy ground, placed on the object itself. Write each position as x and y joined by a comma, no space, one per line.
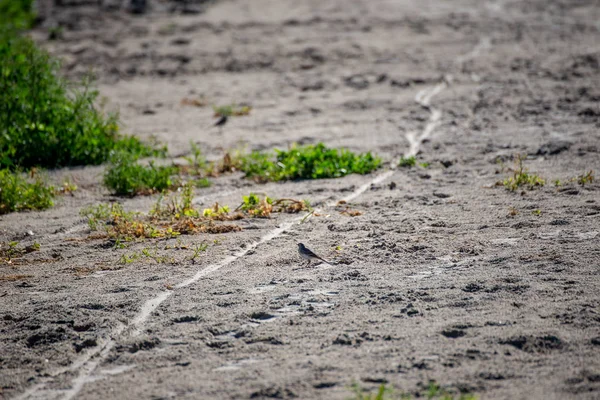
436,280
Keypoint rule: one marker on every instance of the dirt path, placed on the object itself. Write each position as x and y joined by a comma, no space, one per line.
443,277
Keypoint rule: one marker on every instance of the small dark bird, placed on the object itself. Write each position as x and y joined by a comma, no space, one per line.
222,121
309,255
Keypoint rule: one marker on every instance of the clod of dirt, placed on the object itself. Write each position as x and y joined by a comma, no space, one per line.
453,333
185,319
144,344
261,316
47,336
346,340
553,147
531,344
473,287
90,342
83,327
274,393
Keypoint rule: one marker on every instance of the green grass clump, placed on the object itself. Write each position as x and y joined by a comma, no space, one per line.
16,15
231,110
17,193
307,162
586,178
46,121
522,178
407,162
125,177
432,392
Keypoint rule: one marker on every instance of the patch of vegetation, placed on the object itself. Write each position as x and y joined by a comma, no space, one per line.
196,162
254,206
199,248
176,215
433,391
18,193
46,121
307,162
231,110
126,177
11,250
383,393
586,178
522,178
343,208
407,162
16,15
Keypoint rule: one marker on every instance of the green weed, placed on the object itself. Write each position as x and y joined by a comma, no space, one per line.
407,162
307,162
48,122
433,391
18,193
153,255
383,393
196,161
199,248
231,110
521,177
125,177
201,183
16,15
586,178
216,212
11,250
129,258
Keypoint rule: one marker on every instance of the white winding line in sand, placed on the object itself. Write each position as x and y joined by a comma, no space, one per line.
424,97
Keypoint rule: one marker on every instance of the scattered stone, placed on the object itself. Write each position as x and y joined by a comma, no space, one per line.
554,147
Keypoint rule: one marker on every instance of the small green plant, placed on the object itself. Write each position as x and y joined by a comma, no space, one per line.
201,183
424,165
586,178
383,393
433,391
11,250
521,177
196,160
129,258
231,110
216,211
180,205
307,162
96,214
199,248
407,162
557,183
16,15
253,205
153,255
125,177
18,193
537,213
